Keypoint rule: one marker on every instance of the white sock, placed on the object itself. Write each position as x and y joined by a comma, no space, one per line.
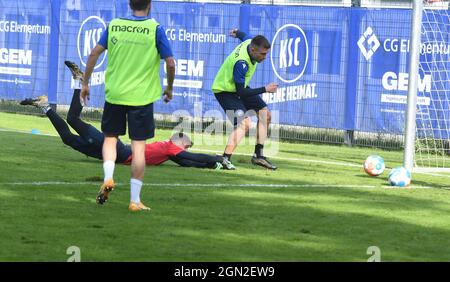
76,83
135,191
45,109
108,169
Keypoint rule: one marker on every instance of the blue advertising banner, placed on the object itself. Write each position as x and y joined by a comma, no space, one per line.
25,29
308,60
341,68
199,38
383,77
82,23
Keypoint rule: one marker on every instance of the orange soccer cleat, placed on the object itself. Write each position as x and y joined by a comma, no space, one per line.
138,207
103,193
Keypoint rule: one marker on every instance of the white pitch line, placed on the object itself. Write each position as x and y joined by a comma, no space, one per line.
274,157
214,185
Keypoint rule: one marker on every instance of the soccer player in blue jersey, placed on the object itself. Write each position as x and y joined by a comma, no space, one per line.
230,87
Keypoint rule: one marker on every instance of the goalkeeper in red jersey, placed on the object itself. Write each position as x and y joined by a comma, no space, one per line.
89,140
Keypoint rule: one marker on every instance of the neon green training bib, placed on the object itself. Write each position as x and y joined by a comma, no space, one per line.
132,74
223,81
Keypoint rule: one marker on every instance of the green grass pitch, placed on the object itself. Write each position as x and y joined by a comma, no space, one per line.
319,206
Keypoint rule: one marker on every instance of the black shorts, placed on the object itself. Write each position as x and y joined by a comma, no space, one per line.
237,108
91,145
141,125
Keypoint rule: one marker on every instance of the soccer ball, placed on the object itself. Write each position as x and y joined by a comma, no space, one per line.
400,176
374,165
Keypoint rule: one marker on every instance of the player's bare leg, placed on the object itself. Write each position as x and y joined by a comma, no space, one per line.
137,175
109,158
258,158
234,140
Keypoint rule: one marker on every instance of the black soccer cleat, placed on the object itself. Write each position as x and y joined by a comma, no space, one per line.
264,162
75,70
38,102
28,102
101,199
103,193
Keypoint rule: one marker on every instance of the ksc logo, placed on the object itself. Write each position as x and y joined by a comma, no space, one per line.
90,32
371,40
289,53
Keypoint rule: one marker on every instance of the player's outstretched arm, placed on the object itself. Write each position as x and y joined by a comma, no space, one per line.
189,159
271,87
170,70
236,33
200,157
92,60
188,163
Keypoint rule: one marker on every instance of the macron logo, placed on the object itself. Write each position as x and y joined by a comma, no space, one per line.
370,40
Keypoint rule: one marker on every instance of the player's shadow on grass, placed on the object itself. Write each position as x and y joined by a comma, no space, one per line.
215,224
244,224
255,227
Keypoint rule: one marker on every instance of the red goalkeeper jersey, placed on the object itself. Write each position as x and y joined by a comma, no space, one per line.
158,152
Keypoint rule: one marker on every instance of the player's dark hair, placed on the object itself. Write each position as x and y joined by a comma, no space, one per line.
260,41
139,5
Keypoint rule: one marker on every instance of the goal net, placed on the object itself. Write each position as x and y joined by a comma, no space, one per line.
432,145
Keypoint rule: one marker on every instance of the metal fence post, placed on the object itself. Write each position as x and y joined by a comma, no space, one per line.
356,3
54,54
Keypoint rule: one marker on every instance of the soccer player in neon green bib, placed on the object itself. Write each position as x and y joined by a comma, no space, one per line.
135,46
230,87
